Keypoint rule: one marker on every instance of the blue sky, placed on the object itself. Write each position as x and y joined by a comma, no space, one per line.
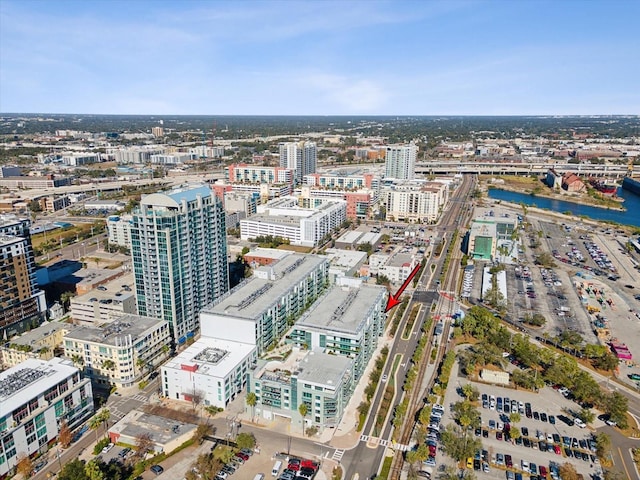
501,57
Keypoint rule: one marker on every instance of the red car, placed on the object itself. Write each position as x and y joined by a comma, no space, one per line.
243,456
309,464
556,449
543,471
294,464
432,450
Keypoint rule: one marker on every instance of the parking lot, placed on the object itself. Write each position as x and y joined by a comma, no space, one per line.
543,438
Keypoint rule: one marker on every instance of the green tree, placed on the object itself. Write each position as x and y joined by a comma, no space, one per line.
24,465
603,444
470,392
515,433
568,472
202,431
93,471
514,417
246,440
608,362
73,470
457,444
252,400
617,405
304,410
586,415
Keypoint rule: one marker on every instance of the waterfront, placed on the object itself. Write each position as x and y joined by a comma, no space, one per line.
631,216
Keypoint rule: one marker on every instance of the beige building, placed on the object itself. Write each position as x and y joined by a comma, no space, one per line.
120,353
166,434
494,376
38,343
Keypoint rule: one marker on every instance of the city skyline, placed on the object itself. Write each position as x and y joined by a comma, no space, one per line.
323,58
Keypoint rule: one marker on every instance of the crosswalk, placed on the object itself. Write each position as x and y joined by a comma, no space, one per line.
383,442
337,455
140,398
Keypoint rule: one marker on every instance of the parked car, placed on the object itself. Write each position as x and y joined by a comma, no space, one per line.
157,469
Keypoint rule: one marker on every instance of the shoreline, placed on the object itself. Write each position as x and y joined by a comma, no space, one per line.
577,201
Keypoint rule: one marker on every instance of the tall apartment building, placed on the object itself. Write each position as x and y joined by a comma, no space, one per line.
77,159
400,161
179,250
299,156
260,310
22,304
35,397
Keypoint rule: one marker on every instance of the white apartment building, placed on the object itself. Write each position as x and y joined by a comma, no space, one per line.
120,353
396,267
77,159
172,158
261,309
135,154
302,226
119,230
243,173
416,202
302,157
208,152
213,369
36,396
400,161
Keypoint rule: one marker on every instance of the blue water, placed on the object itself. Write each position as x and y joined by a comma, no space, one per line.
631,216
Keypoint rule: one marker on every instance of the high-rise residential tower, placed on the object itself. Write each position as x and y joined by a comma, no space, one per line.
400,161
179,250
300,156
22,304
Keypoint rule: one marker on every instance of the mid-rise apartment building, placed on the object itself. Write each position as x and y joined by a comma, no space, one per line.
284,218
119,230
122,352
172,158
106,303
39,343
78,159
323,382
244,173
414,201
212,369
35,397
179,251
346,321
260,310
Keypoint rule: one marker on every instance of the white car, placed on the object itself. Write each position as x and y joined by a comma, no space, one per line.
384,378
579,423
524,465
107,448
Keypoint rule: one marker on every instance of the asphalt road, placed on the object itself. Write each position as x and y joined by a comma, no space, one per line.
364,460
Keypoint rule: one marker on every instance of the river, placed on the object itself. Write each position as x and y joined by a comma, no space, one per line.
629,217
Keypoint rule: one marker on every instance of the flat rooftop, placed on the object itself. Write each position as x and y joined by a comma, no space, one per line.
483,229
43,331
248,300
274,219
345,258
323,369
400,259
272,253
161,430
342,309
351,236
29,379
90,276
109,334
213,356
116,291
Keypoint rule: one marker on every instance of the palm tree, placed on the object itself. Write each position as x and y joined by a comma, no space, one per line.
108,364
304,410
94,424
77,360
251,400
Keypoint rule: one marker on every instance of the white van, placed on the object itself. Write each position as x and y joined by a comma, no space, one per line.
259,476
276,468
